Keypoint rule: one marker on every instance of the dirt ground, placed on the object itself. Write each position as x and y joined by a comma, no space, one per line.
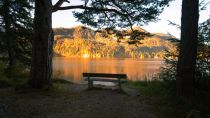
73,101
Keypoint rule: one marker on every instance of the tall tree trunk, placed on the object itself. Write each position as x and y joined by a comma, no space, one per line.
8,35
41,68
188,48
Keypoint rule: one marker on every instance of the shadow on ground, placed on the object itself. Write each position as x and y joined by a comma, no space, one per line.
73,101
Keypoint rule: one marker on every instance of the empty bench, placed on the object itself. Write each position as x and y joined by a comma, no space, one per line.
104,77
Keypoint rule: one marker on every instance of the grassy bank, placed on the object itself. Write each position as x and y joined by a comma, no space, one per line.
161,96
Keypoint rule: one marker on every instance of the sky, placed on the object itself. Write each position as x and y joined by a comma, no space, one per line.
173,13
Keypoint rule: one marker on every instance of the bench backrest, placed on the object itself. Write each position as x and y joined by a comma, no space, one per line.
104,75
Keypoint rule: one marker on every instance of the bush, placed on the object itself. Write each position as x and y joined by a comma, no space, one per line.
202,71
4,81
15,76
193,114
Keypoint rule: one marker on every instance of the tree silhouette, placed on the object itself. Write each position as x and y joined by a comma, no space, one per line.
188,48
15,31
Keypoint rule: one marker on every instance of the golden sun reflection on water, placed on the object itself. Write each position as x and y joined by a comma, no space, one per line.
85,55
72,68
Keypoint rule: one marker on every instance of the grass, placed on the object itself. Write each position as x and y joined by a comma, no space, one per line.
157,95
161,97
12,82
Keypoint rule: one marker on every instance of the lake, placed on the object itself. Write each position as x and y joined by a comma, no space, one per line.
136,69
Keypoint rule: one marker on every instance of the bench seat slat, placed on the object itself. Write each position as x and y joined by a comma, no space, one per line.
106,80
104,75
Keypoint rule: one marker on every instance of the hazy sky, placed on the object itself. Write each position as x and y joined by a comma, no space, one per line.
172,13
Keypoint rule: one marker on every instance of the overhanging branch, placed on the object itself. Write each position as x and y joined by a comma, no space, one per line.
89,8
58,4
93,8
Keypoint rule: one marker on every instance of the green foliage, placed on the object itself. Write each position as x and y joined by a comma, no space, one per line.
150,88
130,12
160,96
193,114
202,74
168,71
203,57
19,71
197,106
19,21
194,107
4,81
109,14
15,77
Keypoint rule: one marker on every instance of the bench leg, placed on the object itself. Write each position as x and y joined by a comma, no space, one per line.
120,87
90,83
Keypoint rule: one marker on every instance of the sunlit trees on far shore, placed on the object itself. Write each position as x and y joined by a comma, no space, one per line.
80,47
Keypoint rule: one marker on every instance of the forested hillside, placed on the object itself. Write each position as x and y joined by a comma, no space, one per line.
84,42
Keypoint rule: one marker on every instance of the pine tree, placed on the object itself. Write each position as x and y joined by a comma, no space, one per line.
15,31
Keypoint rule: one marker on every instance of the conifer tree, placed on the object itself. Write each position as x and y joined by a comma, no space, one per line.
15,31
188,48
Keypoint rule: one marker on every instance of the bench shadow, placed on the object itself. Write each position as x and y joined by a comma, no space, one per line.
105,88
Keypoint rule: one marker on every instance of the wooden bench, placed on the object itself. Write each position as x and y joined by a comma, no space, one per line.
104,77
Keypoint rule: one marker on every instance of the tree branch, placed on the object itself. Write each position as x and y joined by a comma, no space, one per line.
117,5
127,15
88,8
58,4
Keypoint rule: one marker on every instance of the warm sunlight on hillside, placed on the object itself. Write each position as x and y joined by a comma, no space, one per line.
85,42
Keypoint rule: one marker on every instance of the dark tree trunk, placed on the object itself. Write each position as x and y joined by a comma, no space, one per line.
188,48
41,68
8,35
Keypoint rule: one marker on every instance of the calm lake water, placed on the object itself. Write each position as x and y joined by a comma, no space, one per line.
136,69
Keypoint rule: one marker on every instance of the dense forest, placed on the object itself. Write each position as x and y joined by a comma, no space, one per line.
84,42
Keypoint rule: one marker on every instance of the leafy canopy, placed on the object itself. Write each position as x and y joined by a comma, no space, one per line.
115,13
111,14
120,13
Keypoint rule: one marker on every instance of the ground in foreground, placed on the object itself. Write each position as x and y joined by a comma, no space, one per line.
73,101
